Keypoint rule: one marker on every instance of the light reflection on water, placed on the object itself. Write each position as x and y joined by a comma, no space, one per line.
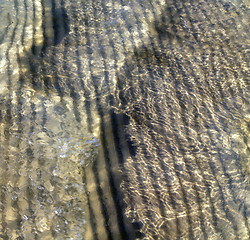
49,193
190,118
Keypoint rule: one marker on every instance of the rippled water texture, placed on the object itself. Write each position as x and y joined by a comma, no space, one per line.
124,119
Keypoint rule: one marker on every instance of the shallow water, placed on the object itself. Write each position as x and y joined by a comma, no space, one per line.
124,119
